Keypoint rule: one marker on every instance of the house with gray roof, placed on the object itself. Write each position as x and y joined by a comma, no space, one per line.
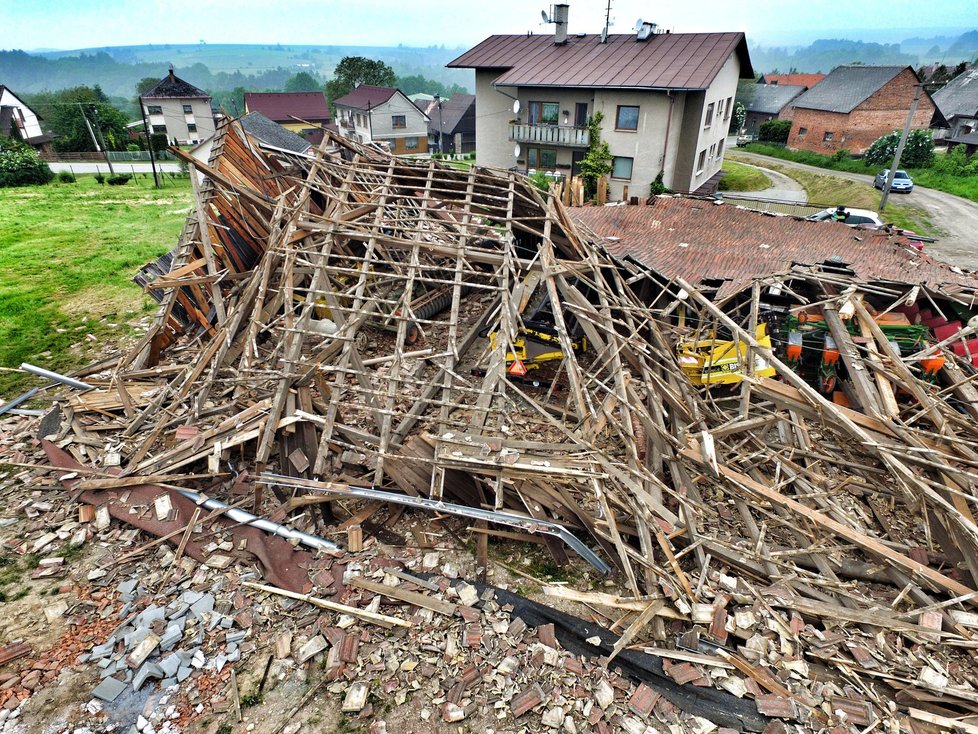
958,102
854,105
452,126
768,102
666,100
178,109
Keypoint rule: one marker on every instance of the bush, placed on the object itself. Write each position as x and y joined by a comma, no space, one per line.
918,152
132,147
843,154
658,187
774,131
540,180
957,163
121,179
67,177
159,143
100,178
20,165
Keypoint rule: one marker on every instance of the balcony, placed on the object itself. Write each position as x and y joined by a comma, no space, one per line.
574,137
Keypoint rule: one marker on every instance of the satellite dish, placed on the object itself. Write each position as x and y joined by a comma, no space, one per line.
543,14
516,107
516,151
638,25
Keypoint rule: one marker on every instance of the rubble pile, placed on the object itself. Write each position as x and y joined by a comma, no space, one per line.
346,340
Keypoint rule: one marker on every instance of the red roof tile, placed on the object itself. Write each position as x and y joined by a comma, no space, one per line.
664,61
284,107
697,239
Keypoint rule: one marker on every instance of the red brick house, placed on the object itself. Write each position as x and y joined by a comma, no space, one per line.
854,105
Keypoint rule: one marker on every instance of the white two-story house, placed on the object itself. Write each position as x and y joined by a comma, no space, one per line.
382,114
19,122
179,109
666,99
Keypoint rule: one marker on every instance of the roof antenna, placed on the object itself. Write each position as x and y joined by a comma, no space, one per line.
607,23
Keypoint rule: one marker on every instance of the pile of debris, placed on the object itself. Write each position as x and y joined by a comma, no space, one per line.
345,335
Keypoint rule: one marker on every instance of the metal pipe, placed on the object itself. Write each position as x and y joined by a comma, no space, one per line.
528,524
18,400
246,518
55,377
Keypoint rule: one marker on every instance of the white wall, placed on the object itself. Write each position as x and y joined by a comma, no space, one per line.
177,121
417,124
492,144
32,126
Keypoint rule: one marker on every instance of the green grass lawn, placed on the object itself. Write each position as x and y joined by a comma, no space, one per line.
963,186
67,256
742,178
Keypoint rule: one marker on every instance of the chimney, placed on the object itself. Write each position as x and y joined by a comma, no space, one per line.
560,21
173,76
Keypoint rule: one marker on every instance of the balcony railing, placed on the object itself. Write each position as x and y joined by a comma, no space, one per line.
577,137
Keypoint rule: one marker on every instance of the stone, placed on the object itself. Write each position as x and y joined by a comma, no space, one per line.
109,689
356,698
143,650
467,594
55,611
312,648
147,671
170,665
604,694
452,712
553,718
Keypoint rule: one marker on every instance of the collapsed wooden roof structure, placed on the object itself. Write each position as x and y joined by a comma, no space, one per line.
343,320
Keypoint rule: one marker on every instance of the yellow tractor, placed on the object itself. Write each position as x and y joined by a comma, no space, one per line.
722,362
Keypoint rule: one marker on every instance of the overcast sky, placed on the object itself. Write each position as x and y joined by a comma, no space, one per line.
72,24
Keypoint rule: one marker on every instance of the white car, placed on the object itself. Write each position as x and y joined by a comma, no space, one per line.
852,217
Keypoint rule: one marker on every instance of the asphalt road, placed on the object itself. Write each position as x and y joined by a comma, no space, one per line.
957,218
120,167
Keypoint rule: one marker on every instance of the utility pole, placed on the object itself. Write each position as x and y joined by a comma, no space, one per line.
919,88
438,102
149,143
607,19
98,132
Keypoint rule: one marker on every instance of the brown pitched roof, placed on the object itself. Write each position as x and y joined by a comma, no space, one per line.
698,239
795,80
365,97
664,61
284,107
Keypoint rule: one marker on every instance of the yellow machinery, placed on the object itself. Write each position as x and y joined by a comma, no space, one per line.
722,362
534,348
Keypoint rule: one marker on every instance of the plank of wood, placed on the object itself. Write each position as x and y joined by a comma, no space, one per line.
381,620
411,597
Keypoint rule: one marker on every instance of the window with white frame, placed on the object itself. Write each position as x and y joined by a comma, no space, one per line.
701,162
709,115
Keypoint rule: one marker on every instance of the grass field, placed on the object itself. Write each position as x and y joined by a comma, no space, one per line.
67,256
742,178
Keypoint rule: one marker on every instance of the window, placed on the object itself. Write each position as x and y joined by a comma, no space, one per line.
727,107
719,109
409,142
154,109
621,167
159,128
191,128
543,113
627,118
802,132
720,149
827,138
188,109
713,151
541,158
709,115
398,121
701,162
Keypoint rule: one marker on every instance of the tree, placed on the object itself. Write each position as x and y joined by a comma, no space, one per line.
302,82
63,115
774,131
918,152
355,70
145,84
597,161
737,117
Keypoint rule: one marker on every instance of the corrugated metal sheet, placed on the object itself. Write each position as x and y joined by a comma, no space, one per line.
664,61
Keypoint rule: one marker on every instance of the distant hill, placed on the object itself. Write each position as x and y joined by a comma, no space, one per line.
214,67
824,55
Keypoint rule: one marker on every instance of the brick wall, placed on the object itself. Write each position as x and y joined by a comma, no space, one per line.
882,113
